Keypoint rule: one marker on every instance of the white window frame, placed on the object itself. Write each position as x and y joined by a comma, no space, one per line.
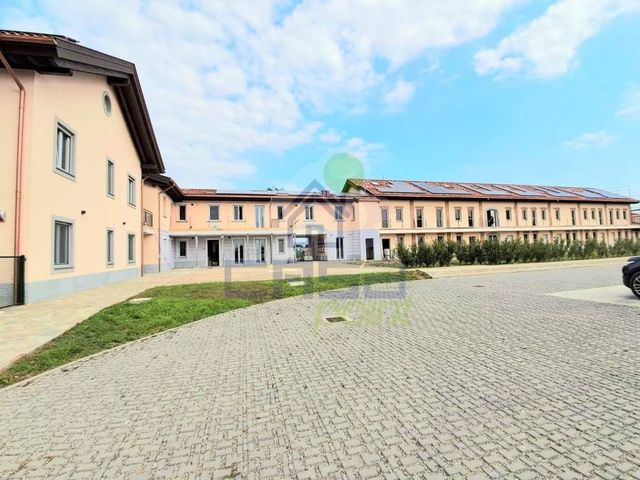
279,212
238,213
110,254
439,217
70,171
339,216
131,249
217,206
111,178
70,242
384,217
308,213
280,245
259,213
420,217
399,214
131,190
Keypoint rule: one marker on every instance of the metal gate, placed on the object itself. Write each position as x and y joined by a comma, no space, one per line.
11,281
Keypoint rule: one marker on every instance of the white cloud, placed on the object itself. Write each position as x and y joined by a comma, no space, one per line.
399,95
330,136
547,46
226,79
631,104
591,140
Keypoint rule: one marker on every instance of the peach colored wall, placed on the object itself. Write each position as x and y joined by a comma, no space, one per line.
159,204
77,102
197,218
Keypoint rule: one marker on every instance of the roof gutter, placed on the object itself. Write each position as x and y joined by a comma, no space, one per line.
19,155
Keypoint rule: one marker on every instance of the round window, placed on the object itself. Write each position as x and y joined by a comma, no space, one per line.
106,103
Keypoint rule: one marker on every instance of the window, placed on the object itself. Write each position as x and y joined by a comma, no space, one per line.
339,212
585,214
439,222
400,239
110,178
507,214
459,238
470,217
524,214
543,214
106,103
398,214
182,213
472,239
617,214
493,238
557,211
131,248
281,245
308,212
182,249
593,214
148,218
441,238
238,213
573,217
600,221
419,217
62,244
420,238
526,237
458,214
65,145
340,248
492,218
280,212
109,247
131,190
534,217
214,213
624,214
384,213
259,216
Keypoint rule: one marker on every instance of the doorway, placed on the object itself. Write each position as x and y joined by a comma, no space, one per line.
213,253
238,251
368,242
261,250
339,248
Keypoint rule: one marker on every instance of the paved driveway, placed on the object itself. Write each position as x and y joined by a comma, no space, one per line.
478,377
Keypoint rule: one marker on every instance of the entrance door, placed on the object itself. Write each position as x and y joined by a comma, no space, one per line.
213,252
369,248
339,248
386,248
261,250
238,251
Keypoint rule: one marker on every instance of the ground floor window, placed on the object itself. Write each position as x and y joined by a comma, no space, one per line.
62,232
182,248
281,245
340,248
109,247
131,248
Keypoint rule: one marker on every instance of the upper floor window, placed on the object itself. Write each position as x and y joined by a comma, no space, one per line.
384,214
507,214
600,221
339,213
593,214
524,214
492,218
617,214
148,218
543,214
470,217
131,190
610,217
624,214
62,237
534,217
308,212
182,213
585,214
458,214
214,213
573,217
280,212
398,214
419,217
65,146
557,210
439,221
110,178
238,213
259,216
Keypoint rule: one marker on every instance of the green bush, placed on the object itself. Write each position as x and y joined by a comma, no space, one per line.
492,252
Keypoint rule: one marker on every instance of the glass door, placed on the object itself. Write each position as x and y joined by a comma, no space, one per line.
261,250
238,251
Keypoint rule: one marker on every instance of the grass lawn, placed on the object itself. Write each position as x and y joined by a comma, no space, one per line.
171,307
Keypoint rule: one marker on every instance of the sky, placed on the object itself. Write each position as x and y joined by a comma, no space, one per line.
262,93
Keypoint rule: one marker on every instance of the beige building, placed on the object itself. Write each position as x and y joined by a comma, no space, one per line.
75,142
414,211
83,196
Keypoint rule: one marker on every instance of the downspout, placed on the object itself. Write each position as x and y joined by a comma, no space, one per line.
19,155
173,184
142,225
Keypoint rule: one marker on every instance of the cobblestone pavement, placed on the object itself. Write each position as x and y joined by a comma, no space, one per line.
479,377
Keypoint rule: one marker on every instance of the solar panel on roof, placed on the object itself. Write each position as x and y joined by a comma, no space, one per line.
607,194
399,187
588,194
488,190
441,189
522,191
554,192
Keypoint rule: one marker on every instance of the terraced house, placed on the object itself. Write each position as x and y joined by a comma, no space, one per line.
84,199
415,211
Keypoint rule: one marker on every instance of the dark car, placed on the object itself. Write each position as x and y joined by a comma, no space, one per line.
631,275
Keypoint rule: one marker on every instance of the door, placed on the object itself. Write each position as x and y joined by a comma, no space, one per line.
213,252
386,248
340,248
261,250
369,248
238,251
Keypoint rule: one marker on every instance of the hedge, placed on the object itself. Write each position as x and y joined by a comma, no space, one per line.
492,252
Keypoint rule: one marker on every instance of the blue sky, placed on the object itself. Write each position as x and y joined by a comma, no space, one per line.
261,93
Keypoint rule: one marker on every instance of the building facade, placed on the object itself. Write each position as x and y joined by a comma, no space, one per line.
84,198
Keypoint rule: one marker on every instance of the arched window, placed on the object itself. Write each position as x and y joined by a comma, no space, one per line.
492,218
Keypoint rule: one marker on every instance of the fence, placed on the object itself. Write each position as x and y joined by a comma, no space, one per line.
11,281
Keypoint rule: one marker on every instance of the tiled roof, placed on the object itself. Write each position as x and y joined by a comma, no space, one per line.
13,35
212,194
485,191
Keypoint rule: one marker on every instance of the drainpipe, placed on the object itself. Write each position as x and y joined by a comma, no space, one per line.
19,155
173,184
